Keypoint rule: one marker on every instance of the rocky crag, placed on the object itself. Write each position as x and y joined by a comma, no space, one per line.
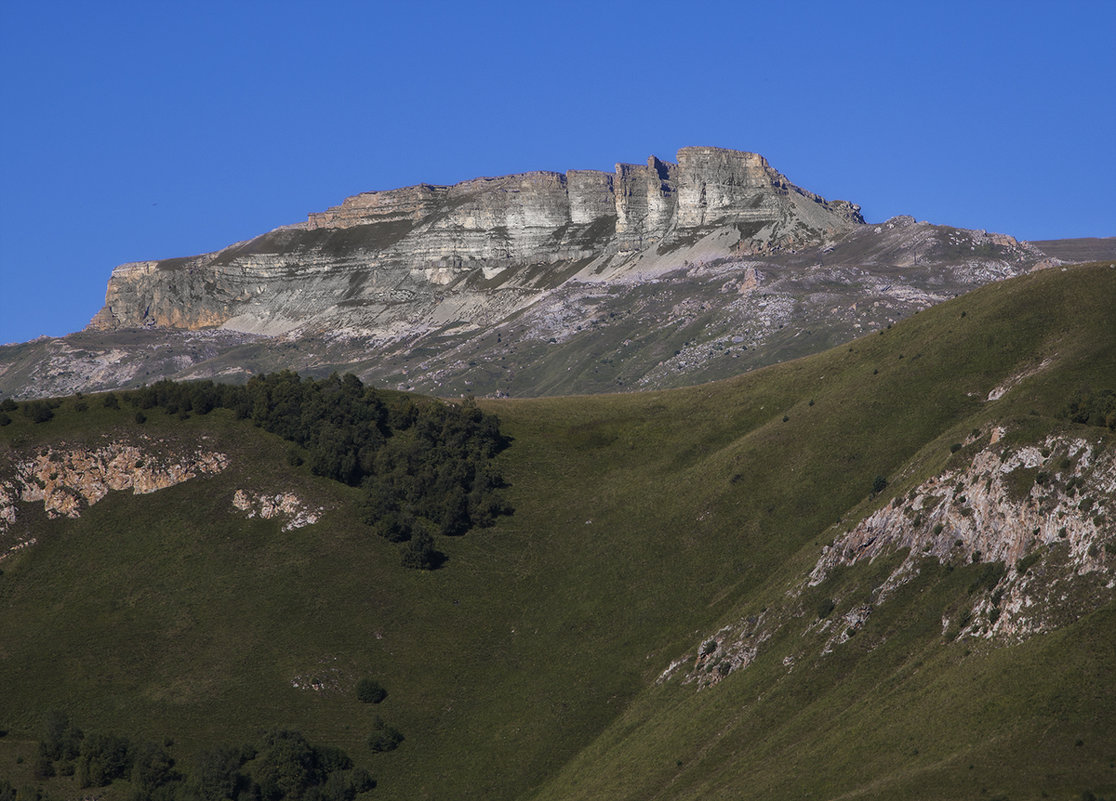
654,275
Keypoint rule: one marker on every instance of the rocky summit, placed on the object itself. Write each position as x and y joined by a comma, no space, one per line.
653,275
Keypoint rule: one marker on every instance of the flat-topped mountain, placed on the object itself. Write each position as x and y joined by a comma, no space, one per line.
475,251
653,275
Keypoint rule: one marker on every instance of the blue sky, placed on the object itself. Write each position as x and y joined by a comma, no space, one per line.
149,130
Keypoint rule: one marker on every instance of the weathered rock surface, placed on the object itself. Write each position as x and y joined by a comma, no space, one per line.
286,506
654,275
1039,517
435,254
68,479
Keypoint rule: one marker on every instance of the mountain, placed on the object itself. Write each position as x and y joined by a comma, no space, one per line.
882,571
656,275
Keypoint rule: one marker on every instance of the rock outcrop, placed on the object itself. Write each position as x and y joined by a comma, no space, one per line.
68,479
285,506
1036,519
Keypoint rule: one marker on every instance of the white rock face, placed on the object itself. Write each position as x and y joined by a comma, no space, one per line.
286,506
1050,504
381,257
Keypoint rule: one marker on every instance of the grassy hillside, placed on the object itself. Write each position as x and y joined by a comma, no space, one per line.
526,667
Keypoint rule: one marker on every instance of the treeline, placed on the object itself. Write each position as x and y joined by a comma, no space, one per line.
425,467
283,766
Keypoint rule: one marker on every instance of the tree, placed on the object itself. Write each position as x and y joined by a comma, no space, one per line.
384,737
152,767
370,691
420,553
217,773
103,759
879,484
61,739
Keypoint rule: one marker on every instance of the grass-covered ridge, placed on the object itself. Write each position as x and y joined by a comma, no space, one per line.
643,523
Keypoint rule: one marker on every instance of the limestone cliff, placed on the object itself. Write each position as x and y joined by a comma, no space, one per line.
475,251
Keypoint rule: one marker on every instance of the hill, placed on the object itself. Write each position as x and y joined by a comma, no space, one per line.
882,571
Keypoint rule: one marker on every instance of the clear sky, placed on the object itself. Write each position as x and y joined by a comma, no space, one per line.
145,130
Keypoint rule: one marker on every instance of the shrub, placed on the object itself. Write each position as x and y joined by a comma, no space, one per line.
111,401
141,418
708,647
4,419
38,411
420,554
955,447
370,691
8,405
879,484
826,607
1028,561
384,737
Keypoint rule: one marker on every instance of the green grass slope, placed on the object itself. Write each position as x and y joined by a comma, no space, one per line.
526,667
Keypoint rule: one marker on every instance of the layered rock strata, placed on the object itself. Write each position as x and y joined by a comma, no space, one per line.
473,252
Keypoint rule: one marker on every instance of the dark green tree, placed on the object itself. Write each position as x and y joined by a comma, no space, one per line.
370,691
384,737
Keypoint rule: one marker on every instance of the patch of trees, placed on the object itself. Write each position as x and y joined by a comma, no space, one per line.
425,467
1092,408
7,405
284,766
39,411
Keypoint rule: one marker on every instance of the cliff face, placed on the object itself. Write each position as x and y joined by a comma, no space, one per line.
475,251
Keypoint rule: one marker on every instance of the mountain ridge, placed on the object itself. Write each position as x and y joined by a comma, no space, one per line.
656,275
